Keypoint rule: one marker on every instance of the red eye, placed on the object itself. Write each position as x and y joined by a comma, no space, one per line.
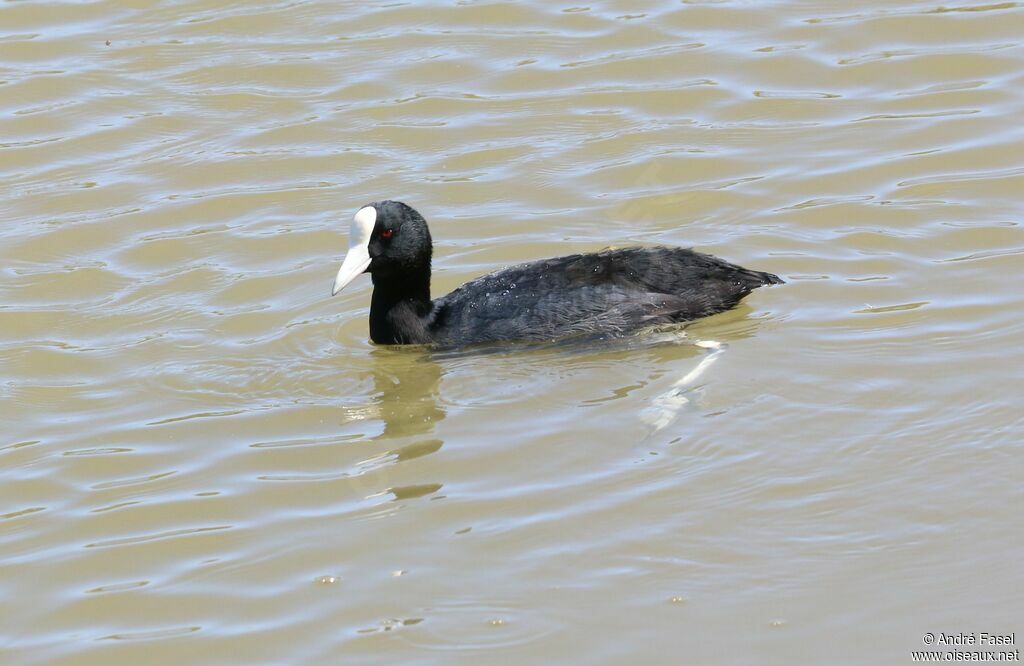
387,233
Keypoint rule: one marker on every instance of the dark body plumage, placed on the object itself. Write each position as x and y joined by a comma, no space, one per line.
604,293
610,292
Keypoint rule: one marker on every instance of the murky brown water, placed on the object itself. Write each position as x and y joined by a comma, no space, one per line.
204,460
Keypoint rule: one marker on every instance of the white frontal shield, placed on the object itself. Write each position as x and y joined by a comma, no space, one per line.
358,257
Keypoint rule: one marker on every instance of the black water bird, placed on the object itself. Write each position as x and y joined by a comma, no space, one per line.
607,293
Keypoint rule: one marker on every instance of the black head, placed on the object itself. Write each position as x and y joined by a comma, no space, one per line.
400,243
389,240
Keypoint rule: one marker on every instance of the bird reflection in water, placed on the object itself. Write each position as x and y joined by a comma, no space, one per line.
406,385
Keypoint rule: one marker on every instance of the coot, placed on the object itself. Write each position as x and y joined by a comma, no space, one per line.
601,293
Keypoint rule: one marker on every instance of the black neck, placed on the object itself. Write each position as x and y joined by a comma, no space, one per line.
400,307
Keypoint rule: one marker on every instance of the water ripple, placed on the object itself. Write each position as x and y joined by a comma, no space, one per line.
178,179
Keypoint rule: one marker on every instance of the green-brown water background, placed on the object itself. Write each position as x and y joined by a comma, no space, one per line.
197,440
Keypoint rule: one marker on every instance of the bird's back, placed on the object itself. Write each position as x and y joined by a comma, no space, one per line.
605,293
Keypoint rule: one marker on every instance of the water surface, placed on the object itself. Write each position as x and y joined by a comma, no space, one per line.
205,460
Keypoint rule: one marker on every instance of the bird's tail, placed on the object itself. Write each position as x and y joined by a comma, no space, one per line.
755,279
